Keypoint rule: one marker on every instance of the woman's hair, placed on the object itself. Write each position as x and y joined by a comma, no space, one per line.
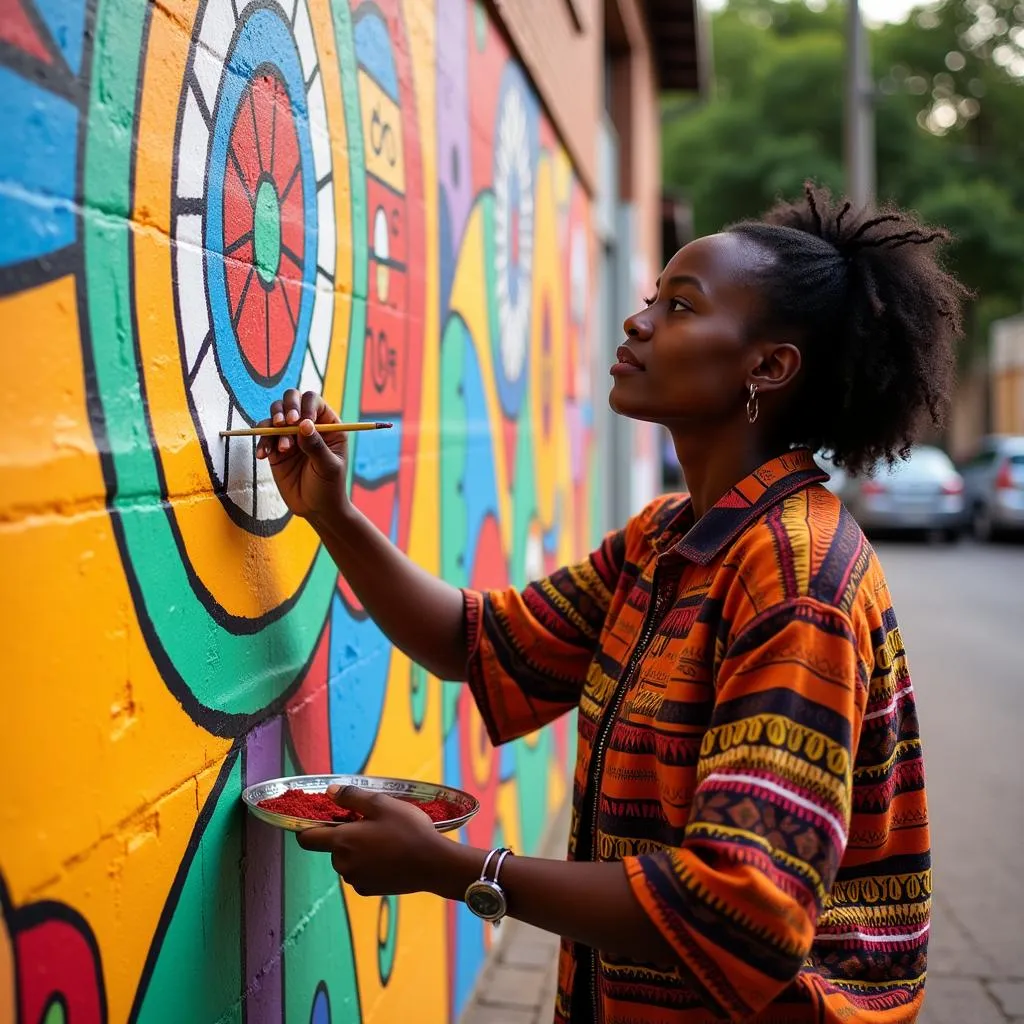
875,315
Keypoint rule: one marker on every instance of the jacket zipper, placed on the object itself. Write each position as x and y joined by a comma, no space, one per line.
597,756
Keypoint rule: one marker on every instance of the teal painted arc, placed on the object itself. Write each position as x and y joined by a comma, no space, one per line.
317,944
194,968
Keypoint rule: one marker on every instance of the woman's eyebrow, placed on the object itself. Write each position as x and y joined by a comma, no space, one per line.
678,279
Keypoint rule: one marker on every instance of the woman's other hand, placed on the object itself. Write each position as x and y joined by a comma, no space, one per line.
394,848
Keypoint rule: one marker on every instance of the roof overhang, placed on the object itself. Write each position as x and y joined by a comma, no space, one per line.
678,34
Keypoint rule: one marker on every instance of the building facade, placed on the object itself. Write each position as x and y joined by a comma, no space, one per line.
435,212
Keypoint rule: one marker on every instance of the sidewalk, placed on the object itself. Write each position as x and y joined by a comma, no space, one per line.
966,983
518,984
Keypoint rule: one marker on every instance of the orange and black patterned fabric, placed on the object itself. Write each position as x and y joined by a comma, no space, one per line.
748,748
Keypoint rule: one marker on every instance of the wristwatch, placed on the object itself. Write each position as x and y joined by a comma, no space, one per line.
485,897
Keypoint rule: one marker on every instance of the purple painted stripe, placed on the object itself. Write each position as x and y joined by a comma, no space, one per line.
264,907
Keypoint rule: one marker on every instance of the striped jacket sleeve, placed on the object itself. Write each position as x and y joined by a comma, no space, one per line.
739,900
529,650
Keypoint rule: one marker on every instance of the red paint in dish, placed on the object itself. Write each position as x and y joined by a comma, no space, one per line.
298,803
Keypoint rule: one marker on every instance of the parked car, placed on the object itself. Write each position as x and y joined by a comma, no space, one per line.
924,494
994,487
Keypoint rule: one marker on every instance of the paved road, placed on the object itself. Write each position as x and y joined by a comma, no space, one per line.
961,612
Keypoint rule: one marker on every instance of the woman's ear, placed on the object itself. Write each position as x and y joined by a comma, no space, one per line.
778,366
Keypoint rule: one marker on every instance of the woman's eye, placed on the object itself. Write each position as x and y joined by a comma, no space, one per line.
675,305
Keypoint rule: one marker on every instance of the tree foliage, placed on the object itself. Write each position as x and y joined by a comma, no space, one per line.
949,88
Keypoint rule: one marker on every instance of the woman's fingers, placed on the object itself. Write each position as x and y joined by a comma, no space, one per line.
264,444
310,406
292,408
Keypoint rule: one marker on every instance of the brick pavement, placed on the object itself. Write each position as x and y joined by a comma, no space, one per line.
966,984
518,984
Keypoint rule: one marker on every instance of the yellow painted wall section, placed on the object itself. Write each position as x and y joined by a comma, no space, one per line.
206,202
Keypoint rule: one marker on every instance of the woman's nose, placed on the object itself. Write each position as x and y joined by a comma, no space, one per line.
638,326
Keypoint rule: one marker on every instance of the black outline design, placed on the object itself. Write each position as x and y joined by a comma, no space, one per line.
323,638
178,883
56,75
21,919
217,722
57,78
392,931
239,516
320,987
192,82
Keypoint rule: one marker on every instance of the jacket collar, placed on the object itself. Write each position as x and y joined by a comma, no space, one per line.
740,507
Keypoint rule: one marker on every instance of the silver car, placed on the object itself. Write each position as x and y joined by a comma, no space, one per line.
924,494
994,487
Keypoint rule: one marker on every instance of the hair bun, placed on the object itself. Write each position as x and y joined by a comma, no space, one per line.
859,232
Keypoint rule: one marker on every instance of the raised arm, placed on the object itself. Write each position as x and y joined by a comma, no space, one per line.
419,613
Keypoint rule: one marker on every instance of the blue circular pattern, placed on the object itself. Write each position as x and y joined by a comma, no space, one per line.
264,39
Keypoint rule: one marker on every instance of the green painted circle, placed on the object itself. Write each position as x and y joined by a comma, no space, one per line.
480,25
418,695
224,669
54,1014
267,231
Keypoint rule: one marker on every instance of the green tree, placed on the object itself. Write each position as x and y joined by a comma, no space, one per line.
949,125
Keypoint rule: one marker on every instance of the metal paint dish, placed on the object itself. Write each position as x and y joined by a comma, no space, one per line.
408,789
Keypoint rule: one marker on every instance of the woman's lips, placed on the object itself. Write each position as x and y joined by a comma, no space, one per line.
627,362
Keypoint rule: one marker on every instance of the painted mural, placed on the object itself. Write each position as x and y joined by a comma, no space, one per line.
205,202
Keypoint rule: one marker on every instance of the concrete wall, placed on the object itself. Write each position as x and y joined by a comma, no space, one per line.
206,201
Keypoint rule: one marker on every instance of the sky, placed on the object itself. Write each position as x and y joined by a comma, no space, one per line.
872,10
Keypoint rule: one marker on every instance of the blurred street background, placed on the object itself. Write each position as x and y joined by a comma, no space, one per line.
924,105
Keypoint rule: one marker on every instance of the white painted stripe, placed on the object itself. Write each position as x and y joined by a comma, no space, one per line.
270,505
786,794
218,27
310,379
320,326
192,151
326,233
240,481
319,128
188,255
891,706
209,69
212,402
304,40
854,933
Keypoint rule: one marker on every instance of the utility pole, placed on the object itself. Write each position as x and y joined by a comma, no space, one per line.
860,111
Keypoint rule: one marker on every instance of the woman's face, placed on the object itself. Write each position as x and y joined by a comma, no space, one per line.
687,357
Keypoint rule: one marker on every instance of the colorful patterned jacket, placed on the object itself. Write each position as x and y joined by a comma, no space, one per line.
748,748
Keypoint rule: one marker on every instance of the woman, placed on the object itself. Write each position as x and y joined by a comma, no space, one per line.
749,836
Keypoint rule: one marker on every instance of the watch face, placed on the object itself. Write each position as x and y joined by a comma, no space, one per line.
486,900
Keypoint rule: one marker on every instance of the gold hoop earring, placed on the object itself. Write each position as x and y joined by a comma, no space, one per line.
753,406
